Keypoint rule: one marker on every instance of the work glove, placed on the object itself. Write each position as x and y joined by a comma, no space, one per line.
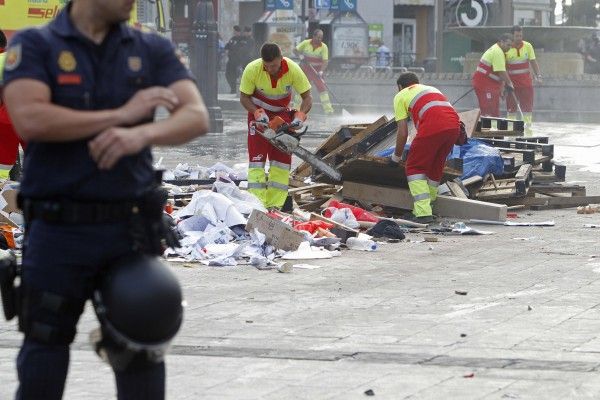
394,159
298,121
261,117
320,74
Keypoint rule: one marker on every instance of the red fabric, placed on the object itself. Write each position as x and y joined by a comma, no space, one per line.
9,140
314,77
488,95
427,154
259,148
436,118
284,102
359,213
311,226
525,96
521,80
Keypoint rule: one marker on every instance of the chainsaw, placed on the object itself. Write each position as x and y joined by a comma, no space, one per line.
286,138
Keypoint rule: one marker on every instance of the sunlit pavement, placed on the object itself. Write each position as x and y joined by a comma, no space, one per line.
390,321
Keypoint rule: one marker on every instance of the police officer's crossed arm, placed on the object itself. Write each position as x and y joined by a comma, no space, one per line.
189,119
37,119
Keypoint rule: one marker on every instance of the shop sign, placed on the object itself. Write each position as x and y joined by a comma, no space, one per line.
279,4
350,41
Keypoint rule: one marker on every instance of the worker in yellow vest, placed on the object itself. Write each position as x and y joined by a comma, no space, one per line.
520,61
265,92
314,56
490,78
438,129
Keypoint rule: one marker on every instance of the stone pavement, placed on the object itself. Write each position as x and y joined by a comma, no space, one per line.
388,321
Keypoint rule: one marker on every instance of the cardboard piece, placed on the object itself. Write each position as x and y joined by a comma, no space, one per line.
9,200
278,234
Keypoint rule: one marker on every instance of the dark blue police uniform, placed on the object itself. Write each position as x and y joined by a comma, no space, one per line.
63,261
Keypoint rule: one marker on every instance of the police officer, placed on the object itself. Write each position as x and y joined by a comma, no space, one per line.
82,92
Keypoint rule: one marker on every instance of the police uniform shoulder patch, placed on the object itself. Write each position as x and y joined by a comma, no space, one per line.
66,61
134,63
13,57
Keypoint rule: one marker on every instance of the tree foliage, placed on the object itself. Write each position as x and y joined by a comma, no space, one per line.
583,13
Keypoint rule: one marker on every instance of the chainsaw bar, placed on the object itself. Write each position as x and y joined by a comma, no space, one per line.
291,145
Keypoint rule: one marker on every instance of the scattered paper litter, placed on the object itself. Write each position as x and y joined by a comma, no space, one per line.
306,252
307,266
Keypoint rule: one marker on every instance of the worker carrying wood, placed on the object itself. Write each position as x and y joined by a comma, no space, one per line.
266,92
520,61
438,129
490,79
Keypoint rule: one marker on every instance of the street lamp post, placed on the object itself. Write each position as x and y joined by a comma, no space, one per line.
203,60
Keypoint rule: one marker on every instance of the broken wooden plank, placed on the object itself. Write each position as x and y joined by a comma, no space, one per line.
444,206
456,190
555,202
334,146
380,171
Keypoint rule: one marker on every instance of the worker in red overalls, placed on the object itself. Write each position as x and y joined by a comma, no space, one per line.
490,79
520,61
315,57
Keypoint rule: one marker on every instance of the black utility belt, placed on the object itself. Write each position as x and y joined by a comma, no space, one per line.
72,212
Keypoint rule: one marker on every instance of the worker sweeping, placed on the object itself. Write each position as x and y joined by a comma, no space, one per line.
315,57
520,61
266,92
490,79
438,129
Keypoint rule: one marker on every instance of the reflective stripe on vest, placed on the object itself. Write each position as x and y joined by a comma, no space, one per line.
273,103
485,68
430,98
6,167
517,67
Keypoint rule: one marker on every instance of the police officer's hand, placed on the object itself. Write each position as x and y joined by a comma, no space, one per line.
144,102
112,144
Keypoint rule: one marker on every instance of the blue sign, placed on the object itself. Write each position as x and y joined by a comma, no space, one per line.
343,5
279,4
323,4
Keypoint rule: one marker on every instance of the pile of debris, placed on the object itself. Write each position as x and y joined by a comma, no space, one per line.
528,176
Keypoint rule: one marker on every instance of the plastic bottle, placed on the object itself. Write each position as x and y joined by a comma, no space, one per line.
361,244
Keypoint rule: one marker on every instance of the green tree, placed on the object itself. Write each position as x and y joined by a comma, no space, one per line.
583,13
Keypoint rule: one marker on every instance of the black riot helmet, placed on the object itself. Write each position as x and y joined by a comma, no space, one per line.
139,305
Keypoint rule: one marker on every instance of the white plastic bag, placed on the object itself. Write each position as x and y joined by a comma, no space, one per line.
344,216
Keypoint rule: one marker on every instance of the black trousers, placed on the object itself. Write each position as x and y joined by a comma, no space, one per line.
232,72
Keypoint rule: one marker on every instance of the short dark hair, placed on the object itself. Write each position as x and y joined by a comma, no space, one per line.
406,79
516,28
237,28
270,51
2,39
247,29
504,37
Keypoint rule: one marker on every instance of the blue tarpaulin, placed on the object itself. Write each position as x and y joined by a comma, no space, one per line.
478,158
